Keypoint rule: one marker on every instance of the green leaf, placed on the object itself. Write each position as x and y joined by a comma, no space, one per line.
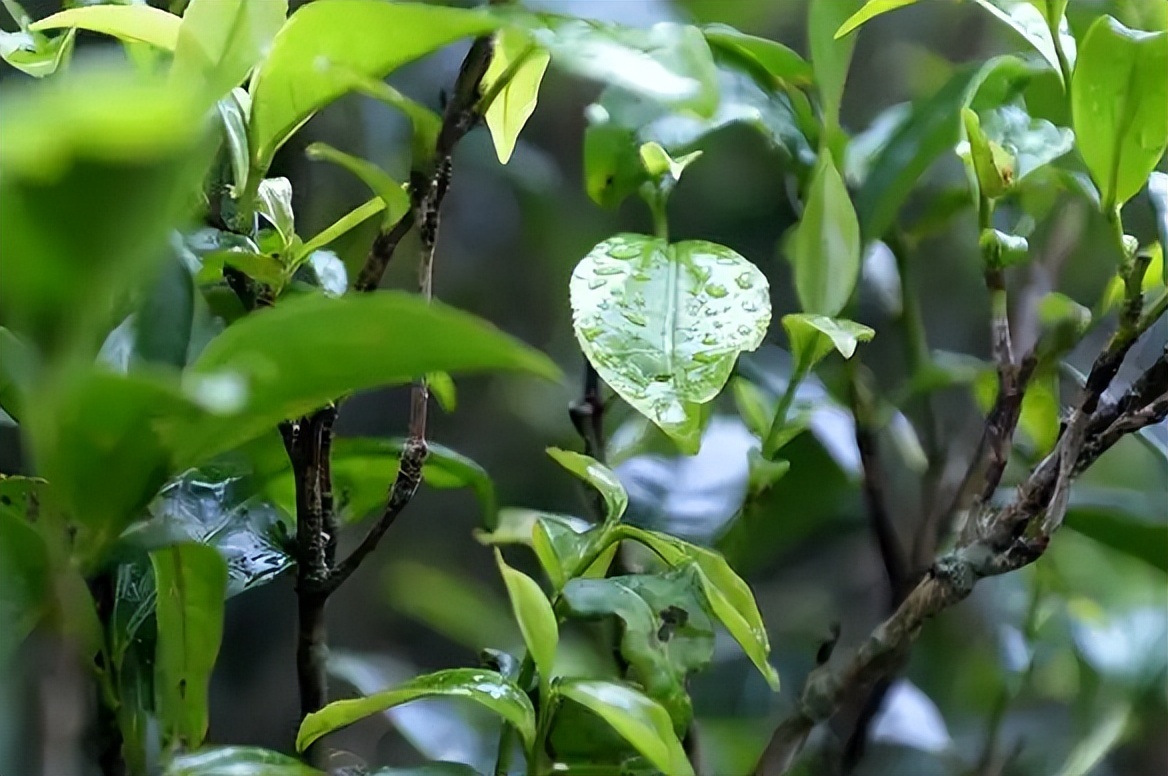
237,761
830,56
1031,23
35,54
931,128
1003,250
139,23
340,227
366,36
438,768
1129,522
457,607
813,336
664,324
24,575
992,166
165,317
262,358
85,149
638,719
1119,99
825,248
425,123
869,11
17,371
220,41
392,193
598,476
192,584
1031,143
728,597
511,108
560,542
442,388
669,63
754,407
274,202
233,111
665,633
537,621
487,688
621,122
782,63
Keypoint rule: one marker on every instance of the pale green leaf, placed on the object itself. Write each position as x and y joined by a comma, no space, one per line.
813,336
598,476
341,227
664,324
830,56
220,41
537,621
139,23
36,54
869,11
825,248
514,104
392,193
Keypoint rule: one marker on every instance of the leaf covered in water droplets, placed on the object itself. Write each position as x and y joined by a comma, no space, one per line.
663,324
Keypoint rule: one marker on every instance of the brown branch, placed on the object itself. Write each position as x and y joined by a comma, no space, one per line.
381,252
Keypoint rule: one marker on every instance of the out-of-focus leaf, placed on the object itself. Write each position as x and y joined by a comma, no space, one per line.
638,719
598,476
1028,21
825,248
455,606
1134,524
831,56
664,324
116,143
139,23
340,227
397,201
17,370
487,688
1119,99
220,41
24,576
665,633
429,769
669,63
621,122
263,357
782,63
442,388
424,123
537,621
164,320
36,54
192,583
365,36
511,108
870,10
237,761
931,129
199,507
1091,751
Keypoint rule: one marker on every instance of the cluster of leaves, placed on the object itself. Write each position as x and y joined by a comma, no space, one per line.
140,357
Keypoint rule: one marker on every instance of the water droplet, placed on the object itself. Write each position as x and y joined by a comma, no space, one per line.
608,270
662,378
744,330
709,339
744,280
716,291
642,276
595,283
624,251
726,260
634,317
705,358
750,307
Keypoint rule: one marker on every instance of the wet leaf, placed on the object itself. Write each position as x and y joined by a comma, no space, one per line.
663,324
638,719
392,193
537,621
814,336
1028,21
1031,143
487,688
825,248
139,23
191,580
237,761
366,36
1119,99
513,106
560,542
782,63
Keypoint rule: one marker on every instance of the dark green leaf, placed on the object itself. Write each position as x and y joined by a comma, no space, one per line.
780,62
24,576
831,56
1129,522
365,36
638,719
17,372
487,688
1119,98
164,320
192,583
237,761
665,632
272,363
825,248
139,23
669,63
85,149
220,41
537,621
511,108
598,476
664,324
931,129
397,201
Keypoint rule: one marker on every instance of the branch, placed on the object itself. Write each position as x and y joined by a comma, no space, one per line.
460,116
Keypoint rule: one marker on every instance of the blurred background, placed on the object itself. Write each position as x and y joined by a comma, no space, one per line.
1066,659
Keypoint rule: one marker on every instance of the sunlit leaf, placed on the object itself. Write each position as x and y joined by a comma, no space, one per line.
1119,98
825,248
663,324
486,688
511,108
274,202
366,36
397,201
192,583
128,22
537,621
598,476
36,54
870,10
638,719
340,227
219,41
783,64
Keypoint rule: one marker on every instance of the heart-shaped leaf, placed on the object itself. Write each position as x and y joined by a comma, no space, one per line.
663,324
